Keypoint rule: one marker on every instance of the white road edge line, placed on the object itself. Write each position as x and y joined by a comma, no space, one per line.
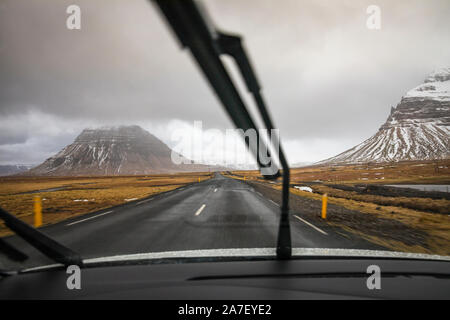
200,209
311,225
101,214
215,189
144,201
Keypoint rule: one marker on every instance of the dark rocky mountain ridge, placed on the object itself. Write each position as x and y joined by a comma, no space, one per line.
122,150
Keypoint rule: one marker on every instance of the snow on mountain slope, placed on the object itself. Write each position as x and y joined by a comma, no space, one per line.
435,87
123,150
417,129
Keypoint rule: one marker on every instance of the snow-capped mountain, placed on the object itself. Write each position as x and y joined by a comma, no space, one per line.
123,150
417,129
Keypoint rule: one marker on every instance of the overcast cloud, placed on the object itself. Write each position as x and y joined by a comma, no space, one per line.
329,81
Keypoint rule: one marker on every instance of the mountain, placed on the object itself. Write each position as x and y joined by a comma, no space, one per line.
9,169
123,150
417,129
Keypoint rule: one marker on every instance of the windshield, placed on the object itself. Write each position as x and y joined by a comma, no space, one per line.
155,129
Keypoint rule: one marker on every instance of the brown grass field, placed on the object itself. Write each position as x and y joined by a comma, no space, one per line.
420,172
73,196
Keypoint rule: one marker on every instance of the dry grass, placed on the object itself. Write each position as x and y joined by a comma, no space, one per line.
423,172
95,193
436,226
420,204
416,213
389,173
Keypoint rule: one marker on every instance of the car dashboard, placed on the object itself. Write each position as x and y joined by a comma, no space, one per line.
303,278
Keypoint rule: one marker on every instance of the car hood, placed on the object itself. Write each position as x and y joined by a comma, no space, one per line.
247,253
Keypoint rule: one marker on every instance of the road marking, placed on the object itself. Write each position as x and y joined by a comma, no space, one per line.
259,193
311,225
144,201
101,214
200,209
215,189
274,203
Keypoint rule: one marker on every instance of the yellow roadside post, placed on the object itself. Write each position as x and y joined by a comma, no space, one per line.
324,206
37,211
198,179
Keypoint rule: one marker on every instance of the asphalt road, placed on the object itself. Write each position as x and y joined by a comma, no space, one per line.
213,214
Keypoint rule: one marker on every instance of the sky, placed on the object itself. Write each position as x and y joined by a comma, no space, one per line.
328,80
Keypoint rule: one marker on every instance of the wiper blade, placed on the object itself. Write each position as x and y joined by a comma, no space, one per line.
194,30
232,45
49,247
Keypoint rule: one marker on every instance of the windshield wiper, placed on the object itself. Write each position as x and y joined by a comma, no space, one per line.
194,30
49,247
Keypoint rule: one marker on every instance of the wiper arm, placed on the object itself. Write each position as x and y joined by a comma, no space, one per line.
232,45
49,247
194,30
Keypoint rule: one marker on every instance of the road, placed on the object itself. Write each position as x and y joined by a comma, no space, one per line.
214,214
